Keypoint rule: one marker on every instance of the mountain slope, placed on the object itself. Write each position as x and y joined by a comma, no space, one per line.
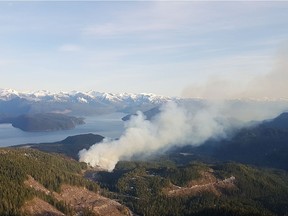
28,176
163,188
264,145
69,146
149,114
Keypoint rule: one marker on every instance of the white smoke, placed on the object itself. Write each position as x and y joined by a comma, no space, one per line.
272,85
173,126
178,125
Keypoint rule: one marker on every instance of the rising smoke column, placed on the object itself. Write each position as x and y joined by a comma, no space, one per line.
177,126
173,126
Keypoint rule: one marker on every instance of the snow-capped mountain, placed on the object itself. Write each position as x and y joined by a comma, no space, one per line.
91,102
13,103
43,95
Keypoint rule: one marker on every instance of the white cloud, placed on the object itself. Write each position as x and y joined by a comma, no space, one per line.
69,48
110,29
154,17
186,16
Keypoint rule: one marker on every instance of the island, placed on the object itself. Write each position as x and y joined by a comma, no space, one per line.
41,122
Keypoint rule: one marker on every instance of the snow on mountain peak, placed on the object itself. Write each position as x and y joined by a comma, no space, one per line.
8,94
83,97
41,93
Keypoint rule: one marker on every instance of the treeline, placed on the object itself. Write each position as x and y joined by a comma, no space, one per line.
257,192
50,170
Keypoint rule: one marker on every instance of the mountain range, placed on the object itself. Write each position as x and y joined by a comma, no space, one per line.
76,103
91,102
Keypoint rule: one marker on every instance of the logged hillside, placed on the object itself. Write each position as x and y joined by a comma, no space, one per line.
163,188
31,180
173,184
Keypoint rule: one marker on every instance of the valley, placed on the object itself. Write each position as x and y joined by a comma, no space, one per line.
243,174
143,108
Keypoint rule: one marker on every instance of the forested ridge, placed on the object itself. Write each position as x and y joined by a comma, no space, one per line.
173,184
144,188
50,170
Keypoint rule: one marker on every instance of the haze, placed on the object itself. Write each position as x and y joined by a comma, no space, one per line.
167,48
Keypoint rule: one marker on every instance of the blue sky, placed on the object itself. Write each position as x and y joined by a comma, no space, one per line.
154,47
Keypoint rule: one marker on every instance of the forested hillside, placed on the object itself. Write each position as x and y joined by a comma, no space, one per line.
160,187
163,188
263,145
204,180
43,122
28,176
69,146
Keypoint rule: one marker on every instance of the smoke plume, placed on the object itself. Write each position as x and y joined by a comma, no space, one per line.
272,85
178,125
175,125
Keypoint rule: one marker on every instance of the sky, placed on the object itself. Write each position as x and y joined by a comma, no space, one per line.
161,47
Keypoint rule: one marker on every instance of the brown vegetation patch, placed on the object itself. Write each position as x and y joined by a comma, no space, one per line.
80,198
3,152
31,182
206,183
39,207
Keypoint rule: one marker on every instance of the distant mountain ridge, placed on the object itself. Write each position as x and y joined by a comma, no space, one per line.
149,114
264,145
89,96
83,97
14,103
91,102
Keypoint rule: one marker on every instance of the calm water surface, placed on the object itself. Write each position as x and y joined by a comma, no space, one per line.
106,125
